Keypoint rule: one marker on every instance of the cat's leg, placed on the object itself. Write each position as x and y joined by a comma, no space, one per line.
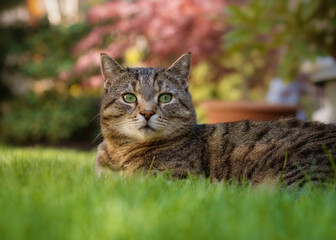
102,160
99,169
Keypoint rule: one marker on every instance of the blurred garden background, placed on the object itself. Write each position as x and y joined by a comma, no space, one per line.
242,50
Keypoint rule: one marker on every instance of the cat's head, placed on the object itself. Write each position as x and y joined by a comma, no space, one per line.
146,104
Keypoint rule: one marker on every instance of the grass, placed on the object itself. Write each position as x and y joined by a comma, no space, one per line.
54,194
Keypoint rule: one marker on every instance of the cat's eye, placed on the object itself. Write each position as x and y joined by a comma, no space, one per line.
129,98
165,97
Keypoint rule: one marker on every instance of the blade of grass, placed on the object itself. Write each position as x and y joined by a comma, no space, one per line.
151,166
331,159
283,168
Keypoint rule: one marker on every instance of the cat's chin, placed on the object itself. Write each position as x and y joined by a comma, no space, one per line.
145,133
147,128
148,133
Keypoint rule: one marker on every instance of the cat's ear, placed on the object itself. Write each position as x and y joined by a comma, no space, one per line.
181,66
110,69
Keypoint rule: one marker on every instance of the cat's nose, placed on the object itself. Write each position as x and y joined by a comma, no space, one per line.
147,113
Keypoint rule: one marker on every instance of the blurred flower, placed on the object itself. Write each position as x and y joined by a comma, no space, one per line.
63,75
37,58
41,86
132,56
75,90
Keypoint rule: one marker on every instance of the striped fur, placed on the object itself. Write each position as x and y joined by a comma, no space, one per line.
173,141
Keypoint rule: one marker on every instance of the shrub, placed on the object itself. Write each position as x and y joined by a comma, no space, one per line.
49,118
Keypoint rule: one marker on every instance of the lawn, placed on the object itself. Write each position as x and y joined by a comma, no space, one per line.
54,194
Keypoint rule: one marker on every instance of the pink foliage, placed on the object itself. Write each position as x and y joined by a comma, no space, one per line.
93,39
91,58
93,82
170,28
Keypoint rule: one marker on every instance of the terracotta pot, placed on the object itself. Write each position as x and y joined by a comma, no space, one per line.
219,111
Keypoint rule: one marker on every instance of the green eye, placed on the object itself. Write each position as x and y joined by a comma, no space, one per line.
129,98
164,98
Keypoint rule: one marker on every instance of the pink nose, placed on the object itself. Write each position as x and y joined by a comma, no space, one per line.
147,113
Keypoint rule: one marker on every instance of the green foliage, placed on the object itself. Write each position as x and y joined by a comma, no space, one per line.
47,51
295,29
228,86
48,118
54,194
200,87
44,53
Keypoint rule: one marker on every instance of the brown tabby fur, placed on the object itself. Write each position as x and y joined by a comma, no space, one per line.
173,141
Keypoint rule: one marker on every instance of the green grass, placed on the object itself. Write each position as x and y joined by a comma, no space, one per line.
54,194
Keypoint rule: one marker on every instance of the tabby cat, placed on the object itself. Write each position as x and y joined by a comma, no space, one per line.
148,122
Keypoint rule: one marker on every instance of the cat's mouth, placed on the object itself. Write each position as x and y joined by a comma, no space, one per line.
147,128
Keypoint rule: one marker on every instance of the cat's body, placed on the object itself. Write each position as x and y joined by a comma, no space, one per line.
148,122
